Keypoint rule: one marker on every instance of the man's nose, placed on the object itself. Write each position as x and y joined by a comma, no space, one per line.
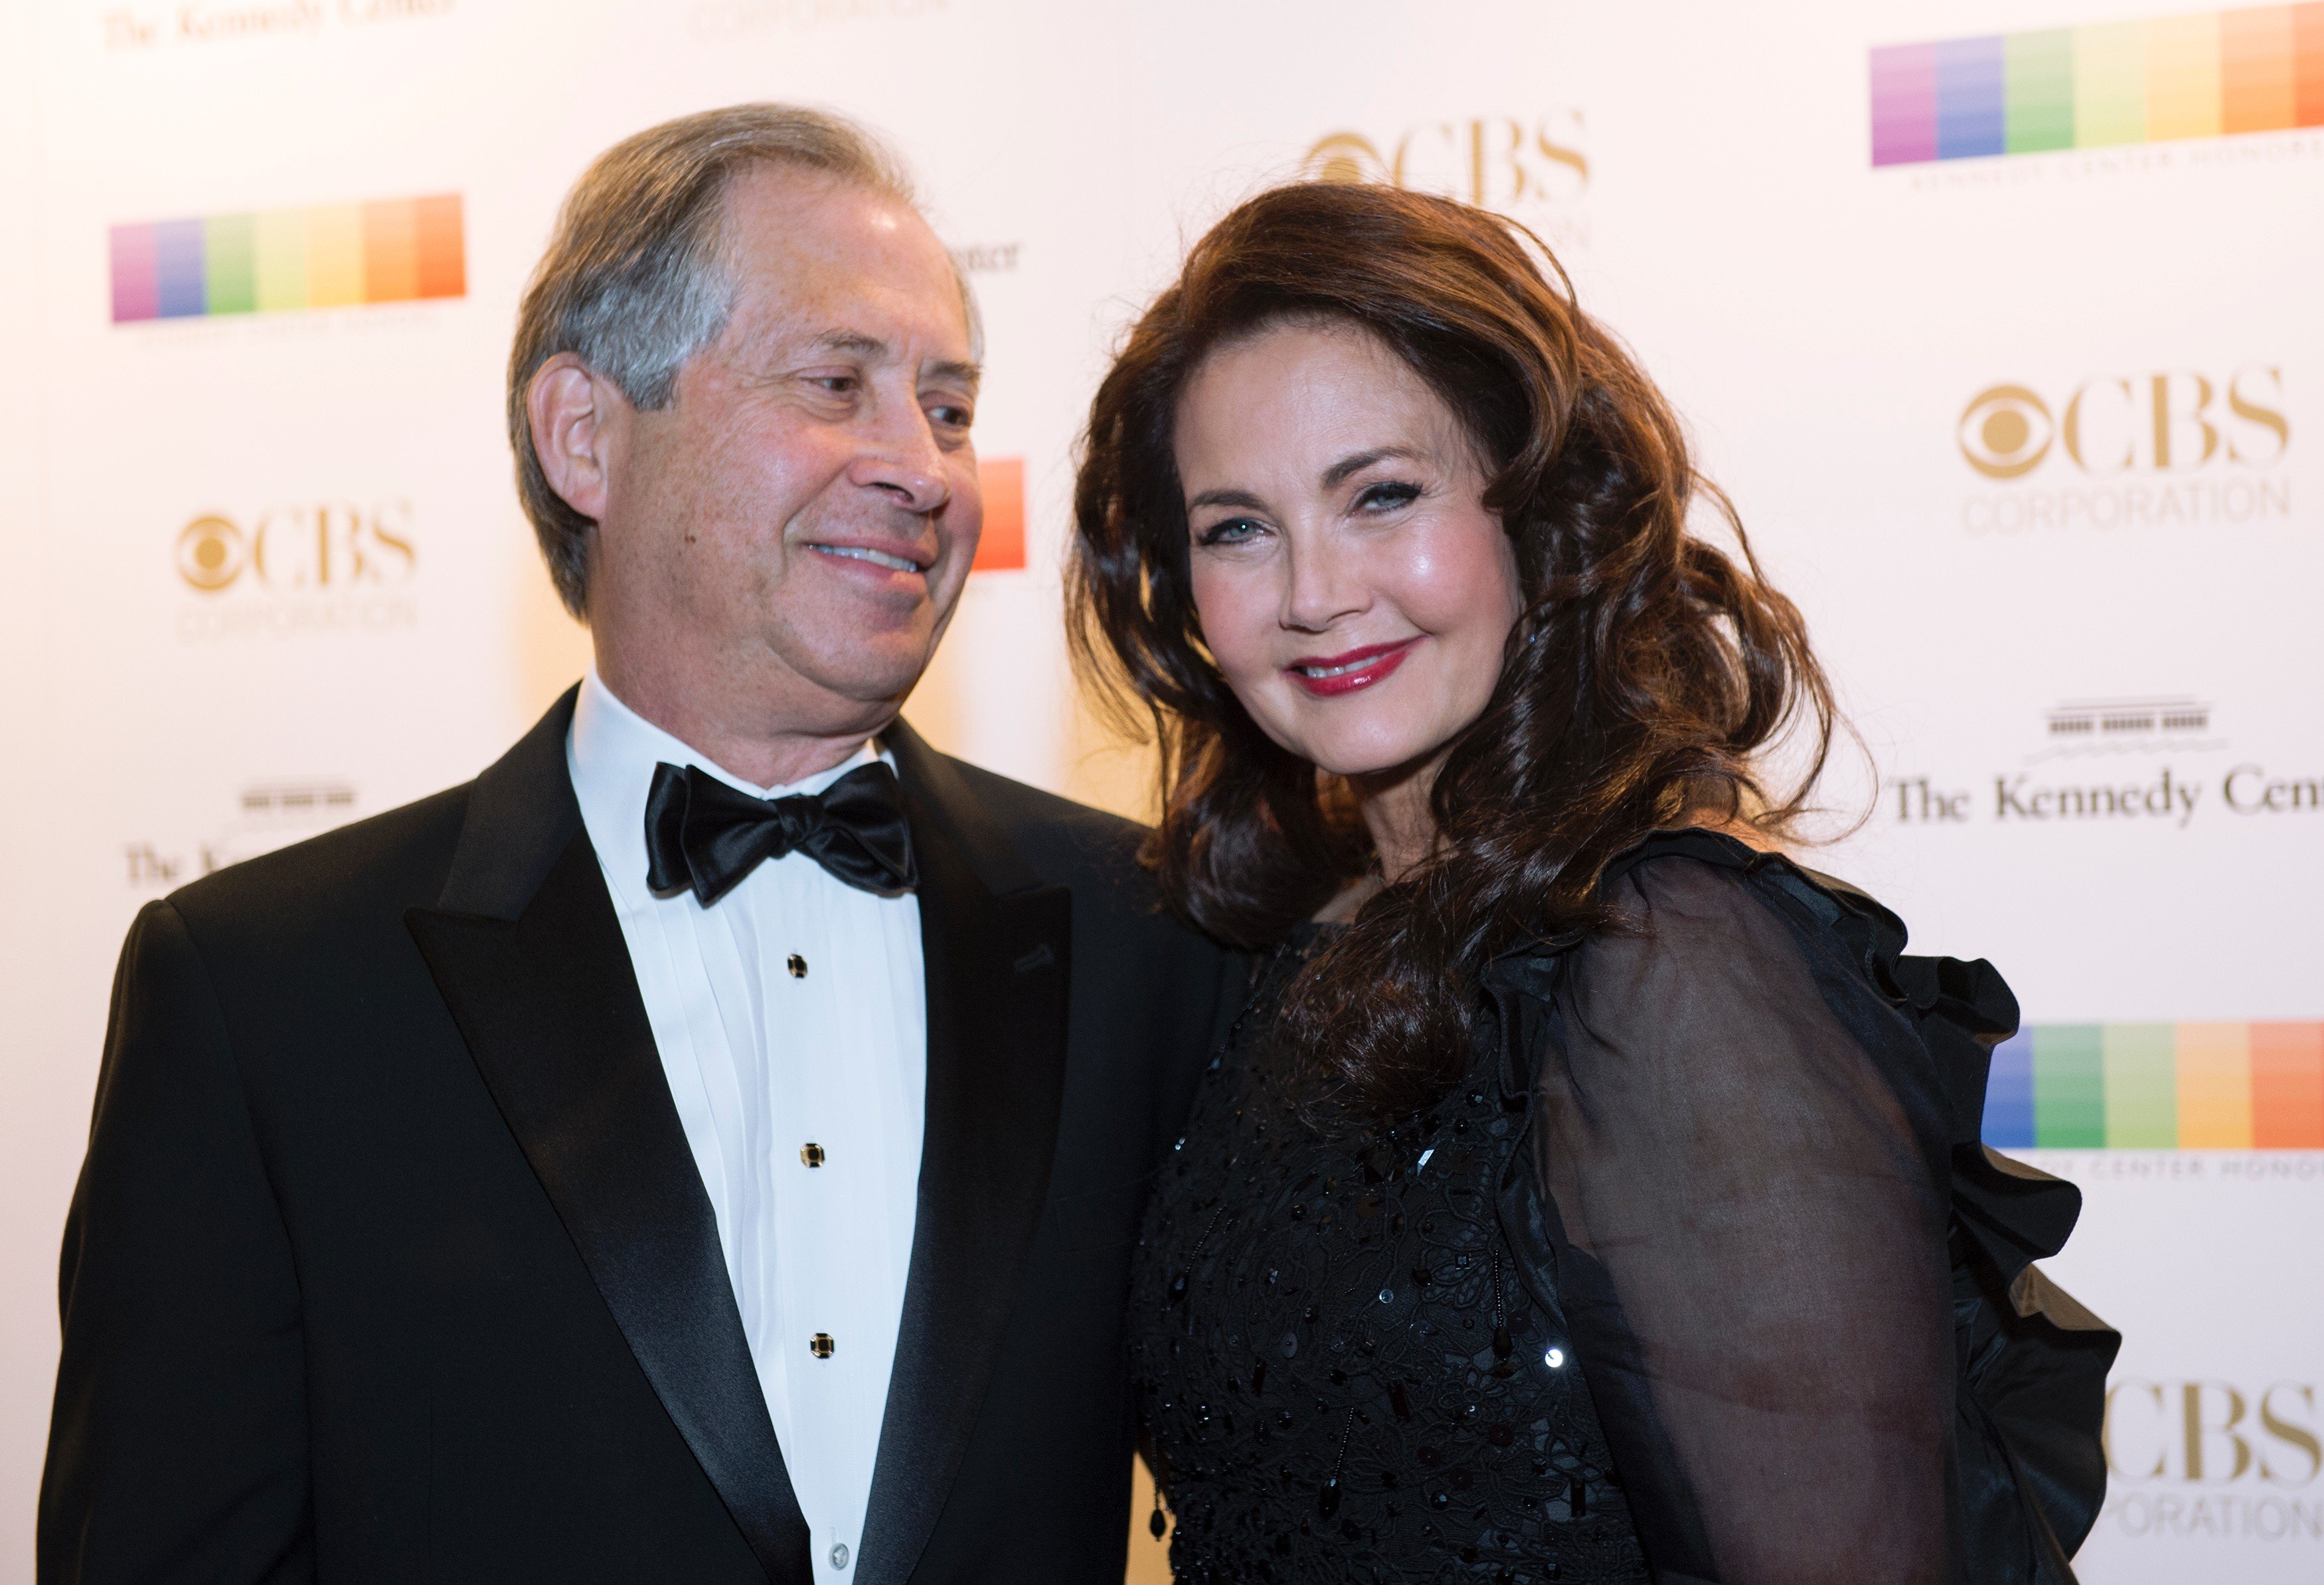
900,458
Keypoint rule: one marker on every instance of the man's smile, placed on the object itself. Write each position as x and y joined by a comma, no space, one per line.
890,560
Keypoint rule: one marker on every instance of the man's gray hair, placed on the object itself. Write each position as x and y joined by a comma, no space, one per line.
636,281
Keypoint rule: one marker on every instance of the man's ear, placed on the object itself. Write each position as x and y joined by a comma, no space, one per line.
576,417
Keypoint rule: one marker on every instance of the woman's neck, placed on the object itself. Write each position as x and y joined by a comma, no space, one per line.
1396,810
1395,807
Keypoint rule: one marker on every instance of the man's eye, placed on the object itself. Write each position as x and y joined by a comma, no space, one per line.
837,384
1387,496
1234,531
956,417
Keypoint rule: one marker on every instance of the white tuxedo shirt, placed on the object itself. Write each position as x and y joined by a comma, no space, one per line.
791,1018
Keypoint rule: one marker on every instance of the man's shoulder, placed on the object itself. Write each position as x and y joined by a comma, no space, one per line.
1065,842
387,861
1034,819
1095,855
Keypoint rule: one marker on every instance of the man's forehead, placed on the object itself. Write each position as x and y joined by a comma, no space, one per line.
805,225
840,267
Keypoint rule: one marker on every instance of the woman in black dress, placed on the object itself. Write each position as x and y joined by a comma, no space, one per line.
1588,1193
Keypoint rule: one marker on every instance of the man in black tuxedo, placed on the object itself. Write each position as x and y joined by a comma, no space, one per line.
604,1170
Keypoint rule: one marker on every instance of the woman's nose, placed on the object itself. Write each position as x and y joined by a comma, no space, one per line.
1320,586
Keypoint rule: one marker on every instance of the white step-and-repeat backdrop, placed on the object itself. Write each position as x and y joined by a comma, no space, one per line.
2000,322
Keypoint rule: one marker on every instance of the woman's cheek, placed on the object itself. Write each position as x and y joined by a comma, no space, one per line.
1459,581
1426,574
1228,609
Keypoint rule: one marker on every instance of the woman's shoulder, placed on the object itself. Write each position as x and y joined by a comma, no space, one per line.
1713,880
1703,860
1702,902
1971,995
1695,923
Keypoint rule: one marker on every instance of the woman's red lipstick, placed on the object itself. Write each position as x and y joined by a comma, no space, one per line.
1329,676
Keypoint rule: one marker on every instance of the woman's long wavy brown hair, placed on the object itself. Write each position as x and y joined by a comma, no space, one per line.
1648,671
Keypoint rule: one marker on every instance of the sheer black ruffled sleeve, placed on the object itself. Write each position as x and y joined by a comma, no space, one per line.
1752,1254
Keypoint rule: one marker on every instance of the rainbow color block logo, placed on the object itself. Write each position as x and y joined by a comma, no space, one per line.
2205,76
2158,1087
273,261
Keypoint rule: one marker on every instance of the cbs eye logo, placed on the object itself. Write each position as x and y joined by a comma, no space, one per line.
2005,431
211,552
1346,157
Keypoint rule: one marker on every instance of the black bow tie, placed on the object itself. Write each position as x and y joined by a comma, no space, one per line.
704,836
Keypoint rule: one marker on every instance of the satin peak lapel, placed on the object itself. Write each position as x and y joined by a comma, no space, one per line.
528,955
997,946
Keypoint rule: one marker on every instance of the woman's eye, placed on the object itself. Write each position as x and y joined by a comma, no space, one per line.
1387,496
1234,531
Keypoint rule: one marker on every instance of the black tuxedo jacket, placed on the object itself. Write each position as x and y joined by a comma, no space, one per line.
390,1262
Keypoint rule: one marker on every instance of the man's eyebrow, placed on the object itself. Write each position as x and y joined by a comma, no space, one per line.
872,349
968,374
1347,468
855,341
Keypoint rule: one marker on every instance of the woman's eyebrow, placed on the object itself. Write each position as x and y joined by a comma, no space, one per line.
1347,468
1239,498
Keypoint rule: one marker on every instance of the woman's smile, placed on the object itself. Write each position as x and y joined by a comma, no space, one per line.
1327,676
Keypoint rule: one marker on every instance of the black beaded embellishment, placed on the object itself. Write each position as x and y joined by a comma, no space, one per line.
1342,1376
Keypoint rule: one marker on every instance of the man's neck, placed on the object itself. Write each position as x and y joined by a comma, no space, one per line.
756,746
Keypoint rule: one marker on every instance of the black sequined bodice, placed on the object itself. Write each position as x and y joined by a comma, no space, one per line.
1342,1376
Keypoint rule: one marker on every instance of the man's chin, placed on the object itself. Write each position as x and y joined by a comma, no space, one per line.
876,678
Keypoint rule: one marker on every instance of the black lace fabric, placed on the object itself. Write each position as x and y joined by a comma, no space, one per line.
1755,1244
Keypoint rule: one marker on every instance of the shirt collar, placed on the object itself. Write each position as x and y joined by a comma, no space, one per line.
612,751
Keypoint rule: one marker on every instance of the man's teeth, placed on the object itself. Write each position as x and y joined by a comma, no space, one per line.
876,558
